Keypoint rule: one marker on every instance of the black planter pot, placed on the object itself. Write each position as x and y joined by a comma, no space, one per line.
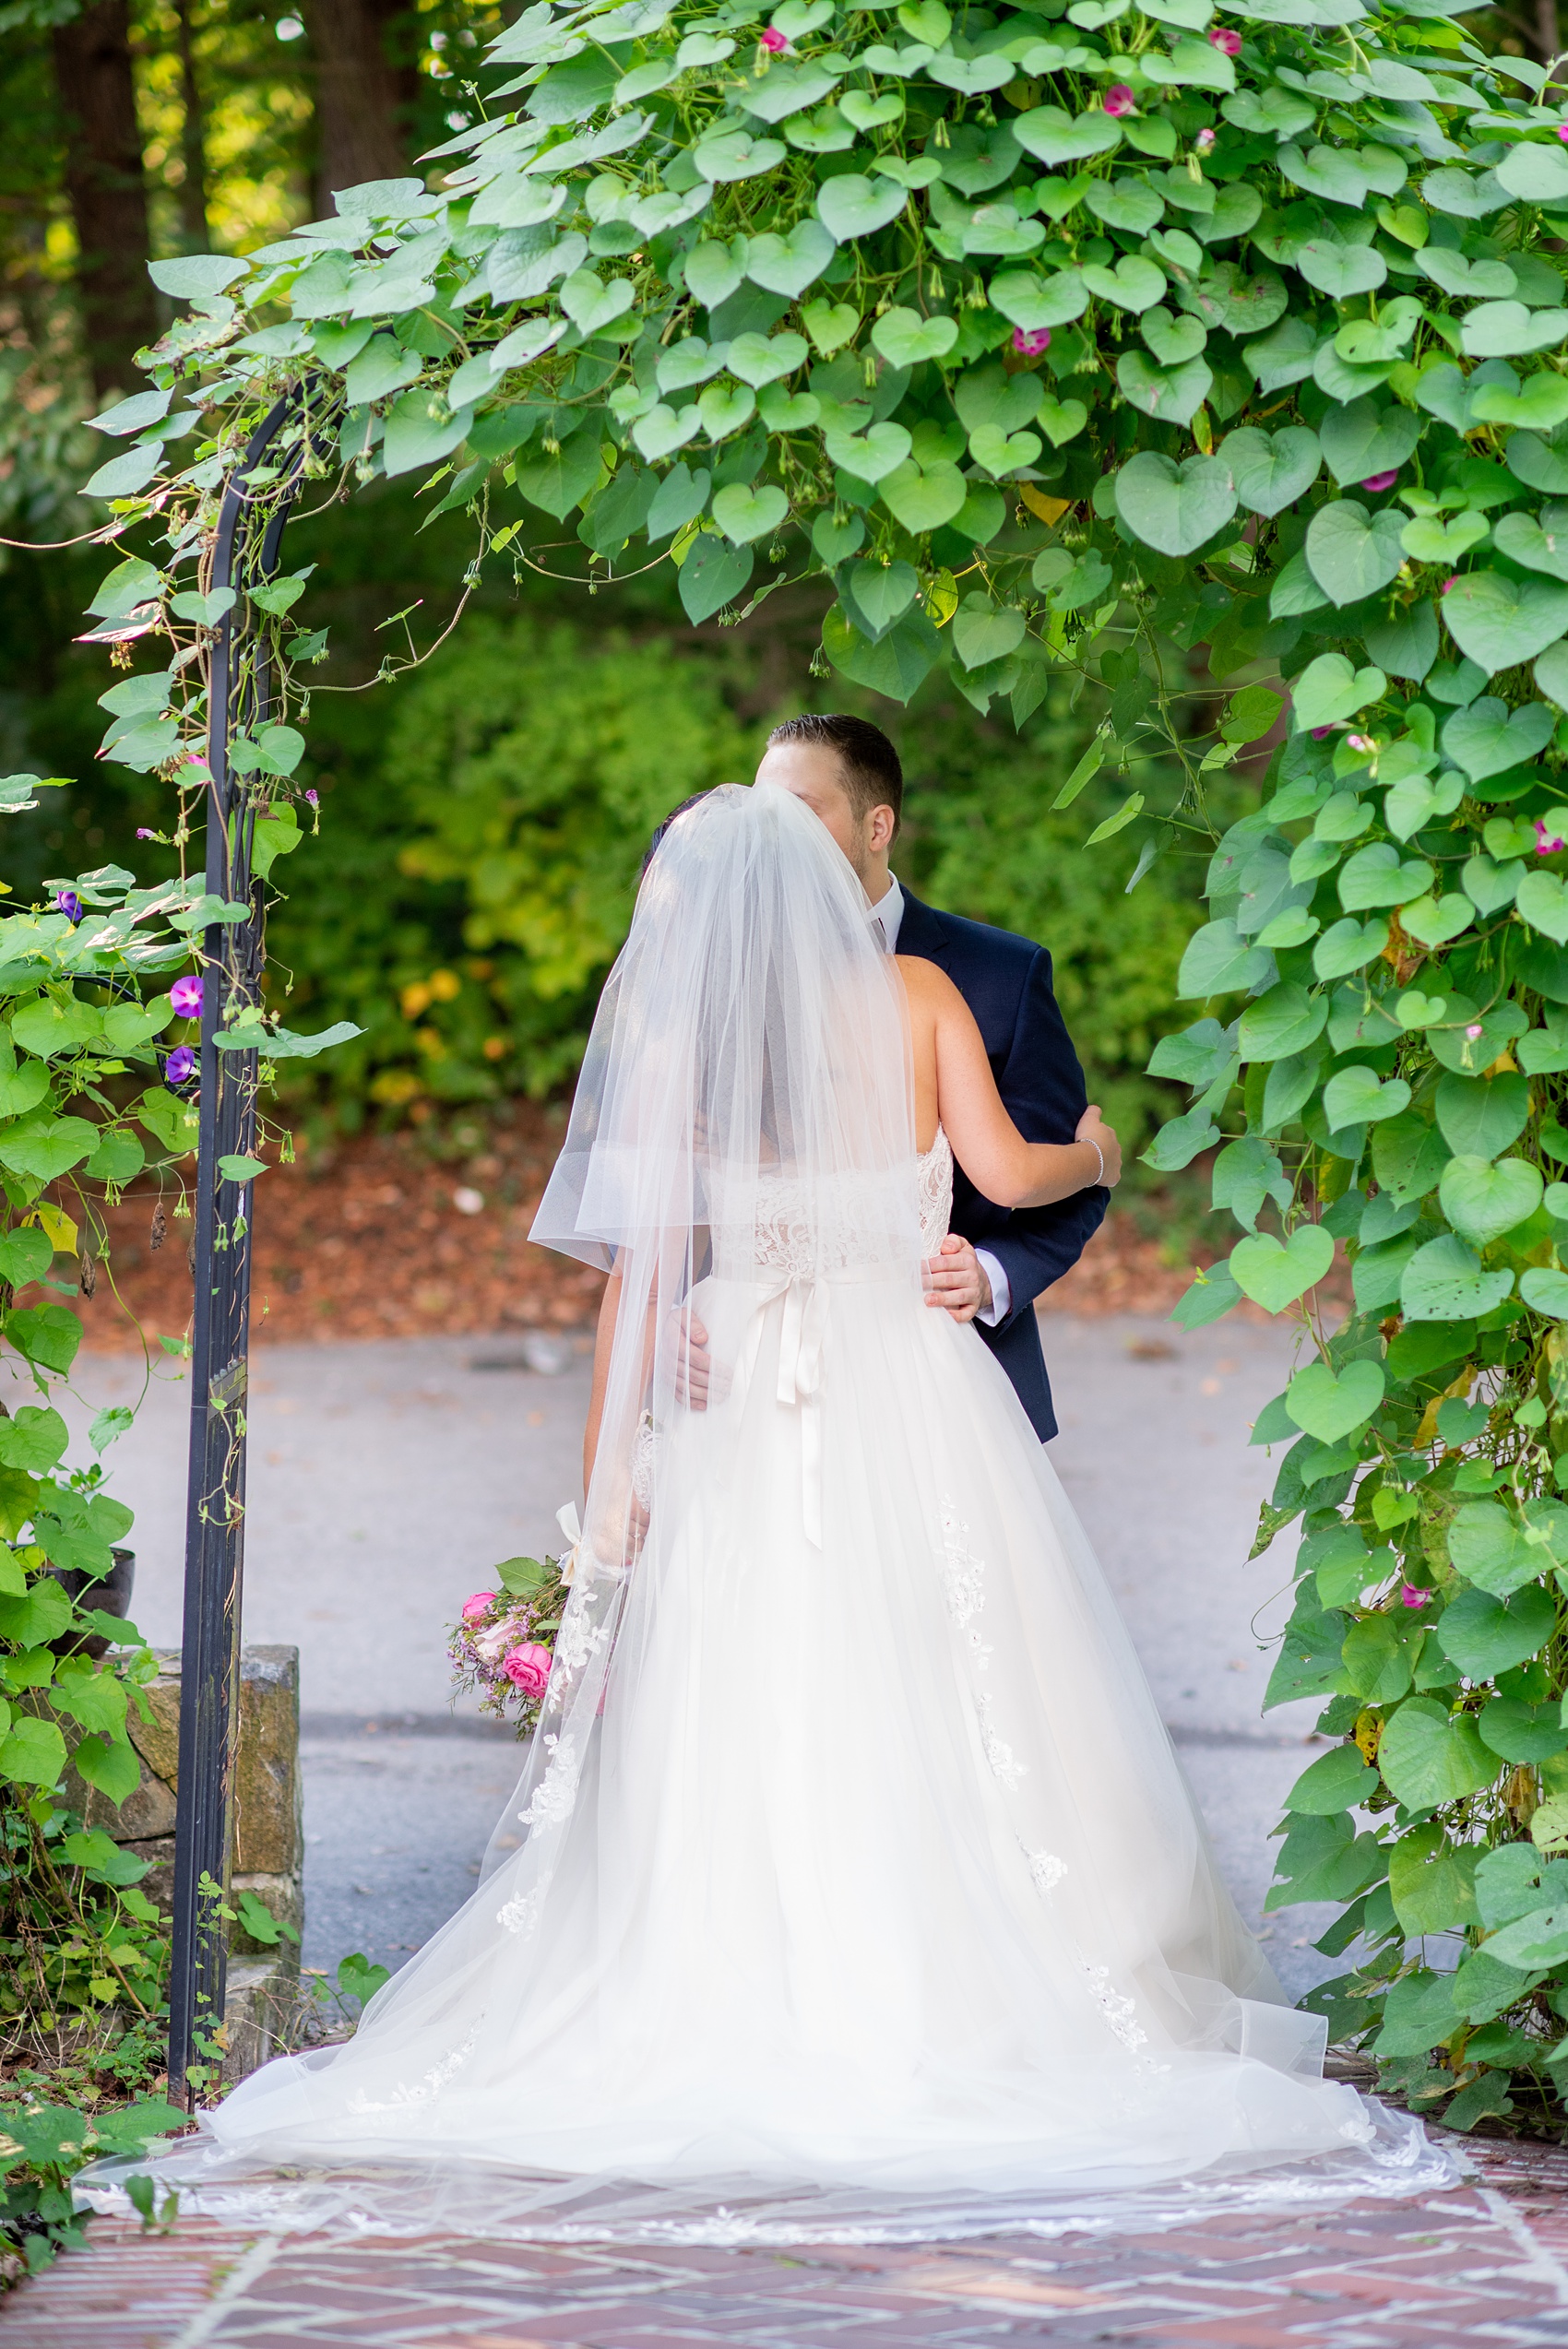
111,1594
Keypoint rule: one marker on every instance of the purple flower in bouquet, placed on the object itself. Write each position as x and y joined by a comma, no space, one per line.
180,1066
185,996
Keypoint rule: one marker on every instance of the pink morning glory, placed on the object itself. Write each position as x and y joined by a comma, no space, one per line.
313,798
1319,731
1562,131
1449,583
1204,140
1547,843
1361,741
185,996
1032,340
1119,99
1376,482
1227,44
1413,1595
773,41
1475,1030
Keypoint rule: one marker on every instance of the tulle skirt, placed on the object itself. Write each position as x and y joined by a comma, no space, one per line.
879,1904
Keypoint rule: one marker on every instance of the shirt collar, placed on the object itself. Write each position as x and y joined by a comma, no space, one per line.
888,913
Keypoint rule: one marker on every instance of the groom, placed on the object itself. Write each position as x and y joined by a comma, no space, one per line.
995,1261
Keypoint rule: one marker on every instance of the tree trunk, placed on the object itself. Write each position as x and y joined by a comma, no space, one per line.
196,235
104,184
363,95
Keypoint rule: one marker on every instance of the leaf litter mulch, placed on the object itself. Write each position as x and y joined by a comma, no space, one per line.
398,1236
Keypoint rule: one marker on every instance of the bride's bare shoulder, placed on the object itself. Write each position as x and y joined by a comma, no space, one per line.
926,984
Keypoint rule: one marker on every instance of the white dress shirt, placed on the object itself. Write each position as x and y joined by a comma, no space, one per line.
888,912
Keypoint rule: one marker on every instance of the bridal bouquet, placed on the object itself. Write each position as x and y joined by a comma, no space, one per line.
503,1643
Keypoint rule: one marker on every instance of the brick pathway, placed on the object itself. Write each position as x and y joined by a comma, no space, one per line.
1486,2265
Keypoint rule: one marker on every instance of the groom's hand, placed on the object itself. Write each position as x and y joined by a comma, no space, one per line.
956,1280
693,1363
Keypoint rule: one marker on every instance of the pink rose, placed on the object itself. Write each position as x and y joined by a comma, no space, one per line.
528,1669
773,41
474,1608
1119,99
1032,340
1227,44
1376,482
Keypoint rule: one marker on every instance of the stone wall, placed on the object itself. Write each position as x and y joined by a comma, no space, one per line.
268,1854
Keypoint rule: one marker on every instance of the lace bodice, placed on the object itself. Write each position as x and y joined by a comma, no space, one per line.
792,1221
934,1173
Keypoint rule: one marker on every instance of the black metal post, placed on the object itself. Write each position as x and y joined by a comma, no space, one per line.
249,535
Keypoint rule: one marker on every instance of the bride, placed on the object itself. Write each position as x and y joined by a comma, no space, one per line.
852,1882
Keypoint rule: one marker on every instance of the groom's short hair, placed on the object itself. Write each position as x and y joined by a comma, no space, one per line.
872,776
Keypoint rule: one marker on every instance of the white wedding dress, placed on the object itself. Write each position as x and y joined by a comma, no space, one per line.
854,1887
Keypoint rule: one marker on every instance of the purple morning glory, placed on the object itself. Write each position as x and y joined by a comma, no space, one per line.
185,996
180,1066
68,902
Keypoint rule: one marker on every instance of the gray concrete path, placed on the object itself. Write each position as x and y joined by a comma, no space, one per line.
386,1478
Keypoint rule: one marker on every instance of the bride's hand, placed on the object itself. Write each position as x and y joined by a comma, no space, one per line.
1092,1128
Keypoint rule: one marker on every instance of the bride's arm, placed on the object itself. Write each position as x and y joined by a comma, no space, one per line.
1003,1167
604,1345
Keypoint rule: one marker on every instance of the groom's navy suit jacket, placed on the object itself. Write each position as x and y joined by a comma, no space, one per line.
1006,983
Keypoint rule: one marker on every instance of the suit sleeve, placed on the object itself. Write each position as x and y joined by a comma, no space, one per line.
1041,1084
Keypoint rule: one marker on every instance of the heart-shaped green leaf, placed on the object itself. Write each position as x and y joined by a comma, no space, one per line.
1055,136
1330,690
762,359
924,497
989,395
1331,171
1545,1291
1125,203
896,667
1173,340
1483,1200
830,324
788,265
983,630
1274,1274
1036,303
712,575
1444,1281
679,499
1536,545
999,453
1173,507
1376,876
1507,331
726,409
869,114
1484,1635
1174,395
1361,439
1341,270
1427,1757
737,156
1428,539
904,337
744,513
1271,470
1432,921
383,366
1330,1407
1479,1116
1486,1545
1350,553
1543,902
1134,284
1355,1097
713,270
1062,420
882,592
1488,738
782,413
689,362
1346,946
851,206
868,456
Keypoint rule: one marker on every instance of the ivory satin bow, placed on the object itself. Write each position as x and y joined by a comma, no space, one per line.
801,1338
571,1525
